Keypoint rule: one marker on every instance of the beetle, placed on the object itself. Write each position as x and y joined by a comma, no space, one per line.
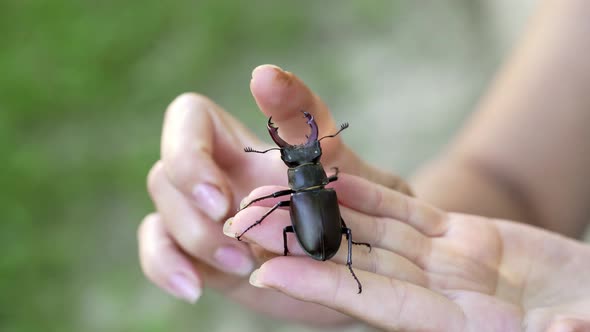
315,215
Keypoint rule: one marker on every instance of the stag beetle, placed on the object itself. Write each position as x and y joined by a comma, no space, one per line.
315,216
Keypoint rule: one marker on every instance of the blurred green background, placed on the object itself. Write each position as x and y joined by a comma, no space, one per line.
83,88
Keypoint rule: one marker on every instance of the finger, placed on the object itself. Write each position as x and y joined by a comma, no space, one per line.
196,142
269,235
388,234
569,325
262,192
193,232
380,232
164,264
283,96
376,200
385,303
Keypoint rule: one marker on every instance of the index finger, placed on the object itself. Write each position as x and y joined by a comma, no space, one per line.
283,95
377,200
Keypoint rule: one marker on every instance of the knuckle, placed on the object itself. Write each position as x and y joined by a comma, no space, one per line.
379,201
393,182
193,240
405,189
154,177
374,261
422,256
408,211
145,224
180,168
188,101
145,255
192,236
150,270
381,230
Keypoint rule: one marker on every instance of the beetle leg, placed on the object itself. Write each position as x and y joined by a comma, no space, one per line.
363,244
276,206
334,177
348,234
273,195
357,243
288,229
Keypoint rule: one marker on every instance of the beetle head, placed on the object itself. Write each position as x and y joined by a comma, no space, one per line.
295,155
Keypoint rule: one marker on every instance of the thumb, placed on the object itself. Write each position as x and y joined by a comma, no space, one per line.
283,96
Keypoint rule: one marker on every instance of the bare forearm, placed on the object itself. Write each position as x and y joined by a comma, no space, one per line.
524,154
458,185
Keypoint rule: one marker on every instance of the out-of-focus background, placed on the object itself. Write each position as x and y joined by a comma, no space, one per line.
83,87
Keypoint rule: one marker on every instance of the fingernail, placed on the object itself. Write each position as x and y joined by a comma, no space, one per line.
271,74
254,279
244,202
180,286
233,261
261,67
227,226
211,201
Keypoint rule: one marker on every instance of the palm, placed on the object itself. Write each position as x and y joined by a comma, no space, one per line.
484,266
466,266
463,272
467,257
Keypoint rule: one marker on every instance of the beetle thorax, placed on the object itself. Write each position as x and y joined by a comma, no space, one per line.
307,176
295,155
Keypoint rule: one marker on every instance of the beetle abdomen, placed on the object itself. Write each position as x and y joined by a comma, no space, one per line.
316,222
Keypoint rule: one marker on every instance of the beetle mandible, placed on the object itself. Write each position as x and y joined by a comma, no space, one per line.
314,211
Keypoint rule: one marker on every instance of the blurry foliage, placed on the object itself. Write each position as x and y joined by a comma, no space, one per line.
83,90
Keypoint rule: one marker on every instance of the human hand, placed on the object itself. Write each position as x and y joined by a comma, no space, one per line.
204,173
429,270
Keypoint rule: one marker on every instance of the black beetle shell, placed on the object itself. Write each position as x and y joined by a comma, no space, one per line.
306,176
316,221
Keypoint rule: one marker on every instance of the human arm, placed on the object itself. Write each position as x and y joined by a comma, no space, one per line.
523,155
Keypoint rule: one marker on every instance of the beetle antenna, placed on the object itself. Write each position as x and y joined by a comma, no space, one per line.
342,127
249,149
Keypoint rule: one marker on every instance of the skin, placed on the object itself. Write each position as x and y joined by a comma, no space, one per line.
182,246
469,273
522,156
